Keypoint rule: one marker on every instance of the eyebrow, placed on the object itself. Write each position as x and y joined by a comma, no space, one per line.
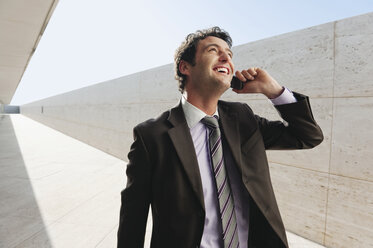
216,45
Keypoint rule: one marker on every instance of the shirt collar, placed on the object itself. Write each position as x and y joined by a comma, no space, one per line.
193,115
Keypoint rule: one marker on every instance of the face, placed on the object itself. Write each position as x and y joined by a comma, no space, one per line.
213,69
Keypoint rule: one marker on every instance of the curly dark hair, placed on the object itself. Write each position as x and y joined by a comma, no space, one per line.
187,49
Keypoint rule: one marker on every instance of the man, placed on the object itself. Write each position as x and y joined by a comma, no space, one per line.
202,165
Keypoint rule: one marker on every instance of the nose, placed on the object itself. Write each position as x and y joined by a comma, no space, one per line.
224,56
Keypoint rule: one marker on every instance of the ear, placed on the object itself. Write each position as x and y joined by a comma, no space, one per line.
184,67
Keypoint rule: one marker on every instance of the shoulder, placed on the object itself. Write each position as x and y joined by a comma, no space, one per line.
235,106
154,132
153,124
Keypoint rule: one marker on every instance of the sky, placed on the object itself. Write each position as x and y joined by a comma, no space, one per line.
90,41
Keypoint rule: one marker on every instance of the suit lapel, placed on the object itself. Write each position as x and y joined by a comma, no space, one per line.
183,143
229,125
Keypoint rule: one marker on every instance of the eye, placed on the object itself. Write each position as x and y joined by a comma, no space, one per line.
213,49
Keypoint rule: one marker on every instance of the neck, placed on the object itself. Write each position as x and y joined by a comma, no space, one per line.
207,104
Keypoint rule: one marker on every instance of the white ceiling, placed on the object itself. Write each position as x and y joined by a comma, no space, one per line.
22,23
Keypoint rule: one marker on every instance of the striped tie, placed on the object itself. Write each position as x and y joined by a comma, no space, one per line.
228,216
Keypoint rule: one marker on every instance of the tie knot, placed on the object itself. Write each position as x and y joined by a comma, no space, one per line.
212,122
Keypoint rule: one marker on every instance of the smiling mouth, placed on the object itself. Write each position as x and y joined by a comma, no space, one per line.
222,70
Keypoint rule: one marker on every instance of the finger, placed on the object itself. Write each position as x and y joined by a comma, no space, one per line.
253,71
247,75
260,71
240,76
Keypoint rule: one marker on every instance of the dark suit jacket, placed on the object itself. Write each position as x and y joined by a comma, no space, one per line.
163,171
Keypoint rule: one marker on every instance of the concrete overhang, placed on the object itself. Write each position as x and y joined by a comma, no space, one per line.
22,23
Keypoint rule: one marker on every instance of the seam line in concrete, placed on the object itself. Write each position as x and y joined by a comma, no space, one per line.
108,233
56,221
323,172
331,135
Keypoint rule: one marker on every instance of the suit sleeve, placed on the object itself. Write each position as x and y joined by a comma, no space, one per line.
300,130
136,196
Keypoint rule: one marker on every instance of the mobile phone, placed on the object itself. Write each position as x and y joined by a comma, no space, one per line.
236,83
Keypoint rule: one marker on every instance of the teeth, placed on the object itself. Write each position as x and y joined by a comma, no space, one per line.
222,69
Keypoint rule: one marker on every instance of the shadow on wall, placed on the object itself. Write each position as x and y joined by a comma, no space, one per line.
20,216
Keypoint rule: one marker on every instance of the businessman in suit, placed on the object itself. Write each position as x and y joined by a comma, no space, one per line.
202,165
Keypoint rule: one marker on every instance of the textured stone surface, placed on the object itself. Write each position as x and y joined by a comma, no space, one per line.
294,185
352,138
67,235
350,213
301,60
354,57
158,85
15,229
295,241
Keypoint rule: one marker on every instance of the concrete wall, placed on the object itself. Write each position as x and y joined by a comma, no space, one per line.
104,115
324,194
9,109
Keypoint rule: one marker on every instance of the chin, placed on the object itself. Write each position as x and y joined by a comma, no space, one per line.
227,83
223,86
220,84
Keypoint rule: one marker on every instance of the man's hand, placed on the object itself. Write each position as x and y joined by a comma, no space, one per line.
258,81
